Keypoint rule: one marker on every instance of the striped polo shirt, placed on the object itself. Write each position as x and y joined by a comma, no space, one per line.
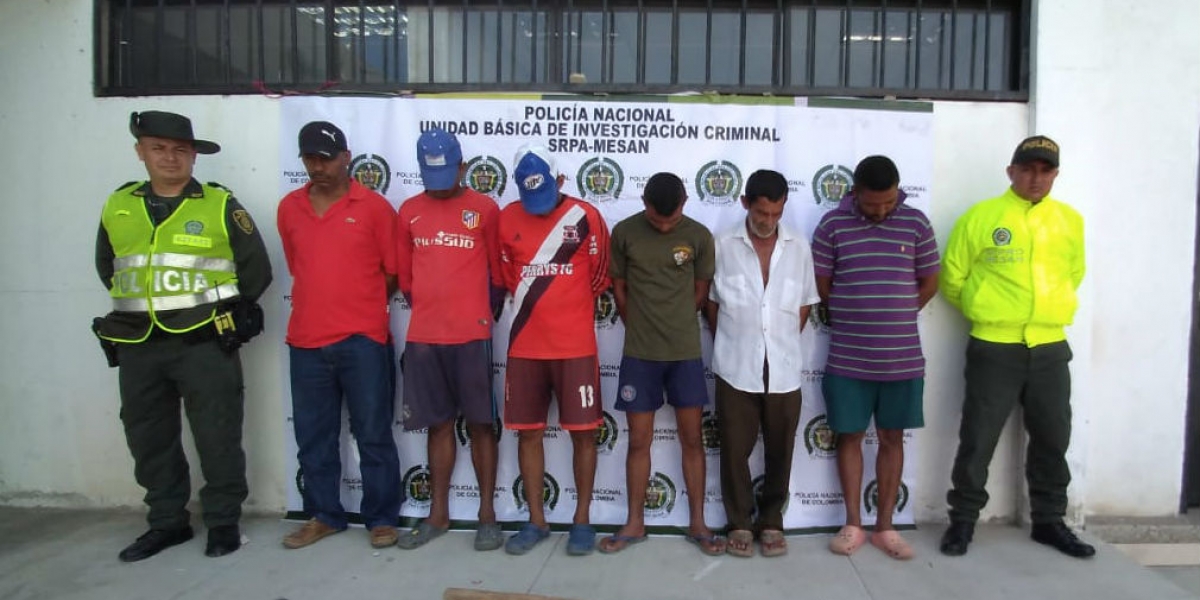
873,299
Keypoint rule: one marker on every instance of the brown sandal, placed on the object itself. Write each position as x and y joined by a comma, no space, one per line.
741,543
772,543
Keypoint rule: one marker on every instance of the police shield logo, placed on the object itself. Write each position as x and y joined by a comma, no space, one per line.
372,171
416,486
830,184
463,434
486,175
194,227
871,498
819,439
550,492
710,433
606,434
719,182
660,496
600,180
756,486
1001,236
819,319
606,310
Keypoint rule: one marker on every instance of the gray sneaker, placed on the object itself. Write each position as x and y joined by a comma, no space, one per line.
488,536
419,536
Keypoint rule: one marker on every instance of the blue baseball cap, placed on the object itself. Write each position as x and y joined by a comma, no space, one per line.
439,155
536,179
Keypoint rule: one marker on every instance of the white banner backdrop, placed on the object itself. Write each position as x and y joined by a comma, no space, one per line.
608,150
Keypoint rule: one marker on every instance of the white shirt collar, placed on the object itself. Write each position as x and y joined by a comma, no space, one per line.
786,233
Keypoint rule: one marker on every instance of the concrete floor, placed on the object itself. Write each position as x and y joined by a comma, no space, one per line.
1187,578
57,554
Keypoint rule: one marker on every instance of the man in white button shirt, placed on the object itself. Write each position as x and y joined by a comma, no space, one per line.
758,304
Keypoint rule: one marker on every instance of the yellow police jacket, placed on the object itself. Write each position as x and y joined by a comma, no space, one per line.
176,273
1012,268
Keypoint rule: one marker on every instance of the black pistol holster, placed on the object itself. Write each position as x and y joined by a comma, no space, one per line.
108,346
237,324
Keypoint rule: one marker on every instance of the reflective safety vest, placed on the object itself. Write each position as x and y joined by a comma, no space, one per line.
175,273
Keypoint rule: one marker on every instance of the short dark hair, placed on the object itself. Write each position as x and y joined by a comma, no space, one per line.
876,173
765,183
664,192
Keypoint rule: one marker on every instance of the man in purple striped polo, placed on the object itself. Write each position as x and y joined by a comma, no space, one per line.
876,262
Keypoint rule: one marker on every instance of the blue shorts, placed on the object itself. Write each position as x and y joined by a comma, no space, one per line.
642,383
851,402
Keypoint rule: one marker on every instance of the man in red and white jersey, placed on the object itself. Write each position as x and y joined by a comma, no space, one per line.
449,230
554,252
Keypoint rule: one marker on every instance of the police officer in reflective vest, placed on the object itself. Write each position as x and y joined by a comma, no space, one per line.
184,264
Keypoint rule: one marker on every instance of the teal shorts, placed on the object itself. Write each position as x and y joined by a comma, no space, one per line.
850,403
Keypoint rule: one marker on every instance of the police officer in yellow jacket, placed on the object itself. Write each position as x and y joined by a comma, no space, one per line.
1012,266
184,264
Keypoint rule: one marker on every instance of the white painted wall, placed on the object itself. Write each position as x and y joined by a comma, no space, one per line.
1118,85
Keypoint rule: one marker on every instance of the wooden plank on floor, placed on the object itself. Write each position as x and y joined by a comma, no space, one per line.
468,594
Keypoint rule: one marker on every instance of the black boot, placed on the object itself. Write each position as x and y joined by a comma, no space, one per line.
222,540
1061,537
154,541
957,537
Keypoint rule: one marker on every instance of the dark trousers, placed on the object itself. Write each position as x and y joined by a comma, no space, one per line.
154,376
359,372
740,416
999,377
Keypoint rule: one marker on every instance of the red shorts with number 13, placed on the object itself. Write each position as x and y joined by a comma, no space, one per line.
528,383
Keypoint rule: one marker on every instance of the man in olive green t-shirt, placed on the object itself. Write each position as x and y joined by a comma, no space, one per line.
661,265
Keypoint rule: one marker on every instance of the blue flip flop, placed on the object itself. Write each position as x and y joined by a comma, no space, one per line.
529,536
711,544
621,542
581,540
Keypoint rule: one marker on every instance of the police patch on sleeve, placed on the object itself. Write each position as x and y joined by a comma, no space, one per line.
243,220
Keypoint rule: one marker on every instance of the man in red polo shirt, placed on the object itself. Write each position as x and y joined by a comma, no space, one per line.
339,241
449,263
